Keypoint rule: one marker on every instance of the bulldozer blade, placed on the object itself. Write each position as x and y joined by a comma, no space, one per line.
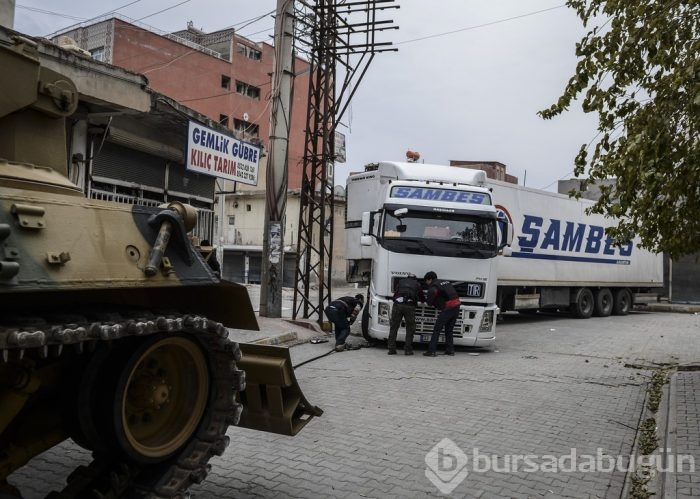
272,400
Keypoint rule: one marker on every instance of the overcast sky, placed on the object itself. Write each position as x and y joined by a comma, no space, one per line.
468,90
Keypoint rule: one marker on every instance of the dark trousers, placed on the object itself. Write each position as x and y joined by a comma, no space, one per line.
408,313
341,325
446,319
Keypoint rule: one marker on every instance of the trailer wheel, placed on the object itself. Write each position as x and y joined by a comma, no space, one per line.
622,302
603,303
583,304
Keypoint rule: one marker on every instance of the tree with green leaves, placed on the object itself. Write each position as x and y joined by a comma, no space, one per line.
639,70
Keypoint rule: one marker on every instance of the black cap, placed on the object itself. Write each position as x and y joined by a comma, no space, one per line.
360,297
430,276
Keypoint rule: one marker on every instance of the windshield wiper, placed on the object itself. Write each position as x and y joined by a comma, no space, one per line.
471,244
481,253
420,243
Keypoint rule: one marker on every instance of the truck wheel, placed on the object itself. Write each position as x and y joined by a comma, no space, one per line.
583,304
365,322
603,303
622,302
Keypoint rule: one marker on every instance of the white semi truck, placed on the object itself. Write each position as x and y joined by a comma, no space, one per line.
503,246
409,218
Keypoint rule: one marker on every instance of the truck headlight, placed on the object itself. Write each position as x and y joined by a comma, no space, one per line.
486,322
383,314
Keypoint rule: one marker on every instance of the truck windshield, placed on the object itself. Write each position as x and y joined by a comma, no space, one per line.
447,234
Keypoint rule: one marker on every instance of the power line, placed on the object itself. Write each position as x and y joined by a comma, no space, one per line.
164,10
51,13
252,20
93,18
499,21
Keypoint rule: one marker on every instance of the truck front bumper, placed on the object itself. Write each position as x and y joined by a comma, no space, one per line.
475,326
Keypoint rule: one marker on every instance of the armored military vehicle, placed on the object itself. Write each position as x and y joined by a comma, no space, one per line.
113,329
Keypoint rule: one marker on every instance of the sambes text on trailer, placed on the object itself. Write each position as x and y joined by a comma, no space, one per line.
213,153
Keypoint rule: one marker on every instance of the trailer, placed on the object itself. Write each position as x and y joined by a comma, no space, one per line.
561,258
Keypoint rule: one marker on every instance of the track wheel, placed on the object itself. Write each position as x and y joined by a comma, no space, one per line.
582,305
603,303
160,397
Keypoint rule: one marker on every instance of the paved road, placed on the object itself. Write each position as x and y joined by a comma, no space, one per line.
552,384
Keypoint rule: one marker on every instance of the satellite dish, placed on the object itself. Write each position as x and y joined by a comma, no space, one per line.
245,116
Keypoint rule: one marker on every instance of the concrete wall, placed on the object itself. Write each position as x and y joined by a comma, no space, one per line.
7,13
684,285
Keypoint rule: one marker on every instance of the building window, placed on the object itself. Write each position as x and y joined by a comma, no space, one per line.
98,54
249,90
249,52
248,207
223,120
225,82
232,220
246,128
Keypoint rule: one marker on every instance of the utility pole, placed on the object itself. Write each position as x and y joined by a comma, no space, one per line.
340,35
276,174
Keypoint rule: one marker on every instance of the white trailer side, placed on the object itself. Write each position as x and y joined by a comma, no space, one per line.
558,252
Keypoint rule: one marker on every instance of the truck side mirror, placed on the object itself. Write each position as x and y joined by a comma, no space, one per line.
506,236
366,220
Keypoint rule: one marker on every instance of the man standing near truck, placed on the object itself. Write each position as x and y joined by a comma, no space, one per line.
442,295
406,294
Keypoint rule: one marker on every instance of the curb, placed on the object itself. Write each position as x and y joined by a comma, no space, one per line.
306,323
670,307
668,479
645,470
277,340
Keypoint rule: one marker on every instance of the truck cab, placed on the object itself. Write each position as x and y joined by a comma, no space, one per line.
410,218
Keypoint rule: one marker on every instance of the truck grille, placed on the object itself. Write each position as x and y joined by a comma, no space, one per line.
426,317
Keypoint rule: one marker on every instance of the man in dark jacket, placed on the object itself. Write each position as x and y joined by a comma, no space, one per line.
342,313
442,295
406,294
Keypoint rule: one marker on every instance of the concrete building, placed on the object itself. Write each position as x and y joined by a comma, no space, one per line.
588,190
493,169
227,78
221,75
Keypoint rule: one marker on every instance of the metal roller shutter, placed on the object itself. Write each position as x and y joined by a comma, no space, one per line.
129,165
234,266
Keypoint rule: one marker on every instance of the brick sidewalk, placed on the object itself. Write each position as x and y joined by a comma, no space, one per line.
687,439
554,384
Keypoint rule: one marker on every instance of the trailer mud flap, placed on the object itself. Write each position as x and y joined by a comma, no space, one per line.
272,400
